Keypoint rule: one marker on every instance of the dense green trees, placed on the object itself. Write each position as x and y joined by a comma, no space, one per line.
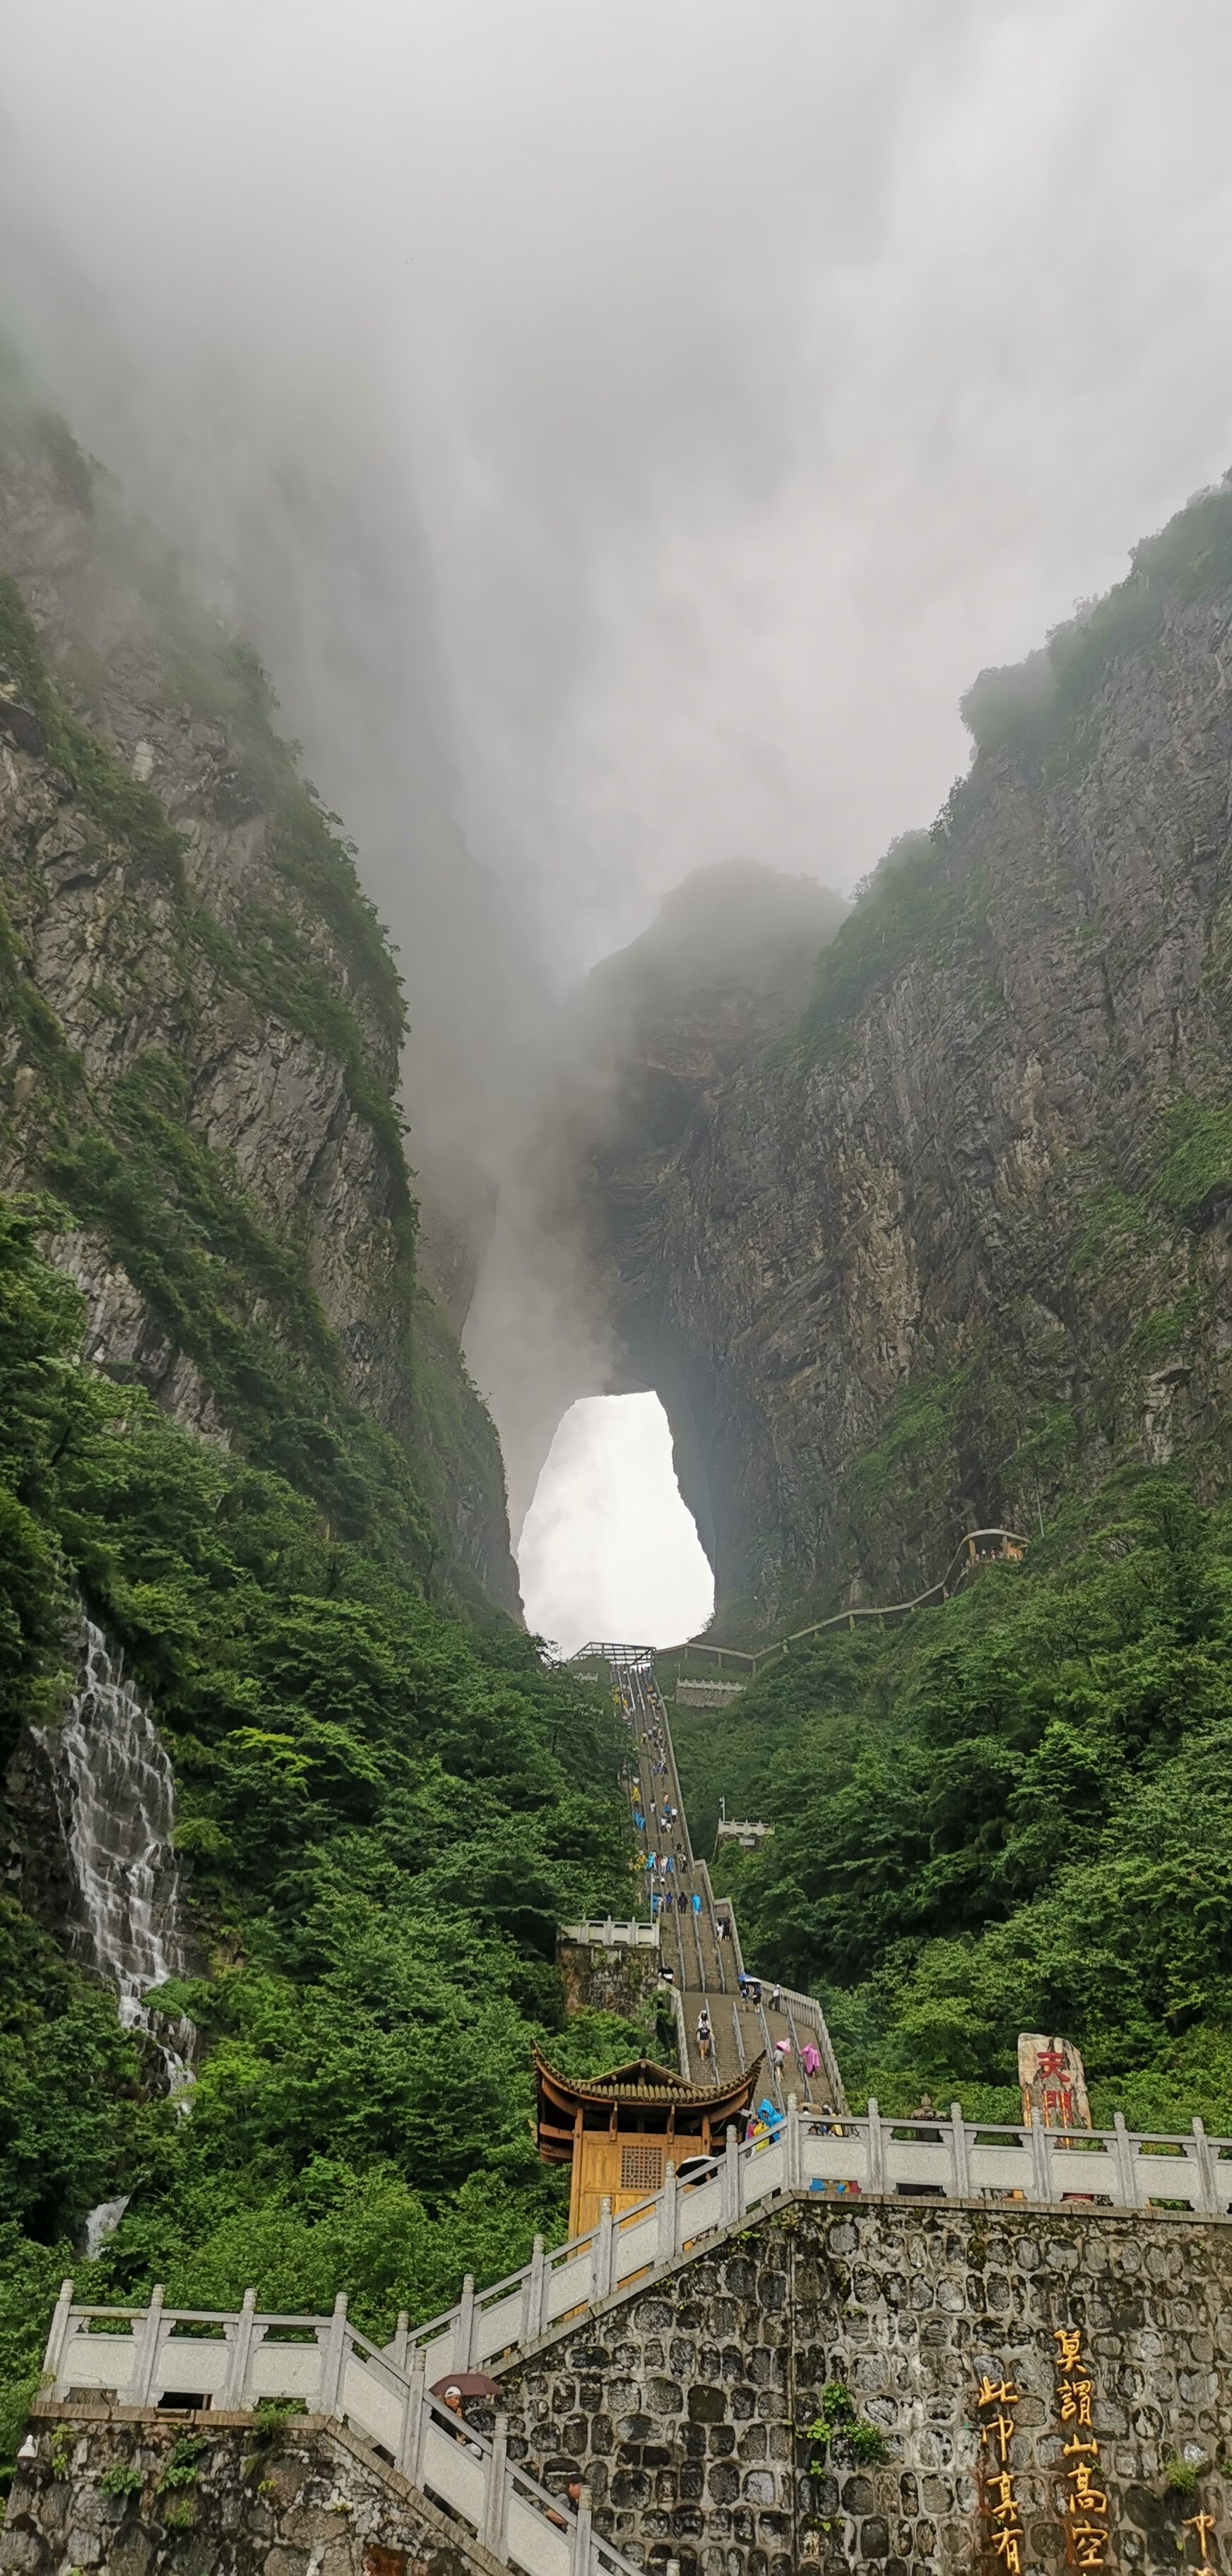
386,1814
1014,1812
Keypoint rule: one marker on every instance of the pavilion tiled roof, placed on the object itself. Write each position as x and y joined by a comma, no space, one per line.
641,2080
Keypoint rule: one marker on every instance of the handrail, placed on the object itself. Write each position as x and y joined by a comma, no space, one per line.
382,2392
604,1931
947,2155
340,2374
963,1563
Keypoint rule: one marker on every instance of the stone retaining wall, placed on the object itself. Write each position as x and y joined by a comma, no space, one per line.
618,1979
299,2499
684,2404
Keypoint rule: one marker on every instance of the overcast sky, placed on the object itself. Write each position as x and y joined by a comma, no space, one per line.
710,387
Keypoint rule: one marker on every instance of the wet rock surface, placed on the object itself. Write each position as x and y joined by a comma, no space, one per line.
922,1264
227,982
141,2492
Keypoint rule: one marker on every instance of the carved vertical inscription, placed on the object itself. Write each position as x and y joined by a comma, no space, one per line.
1202,2525
1085,2506
996,2400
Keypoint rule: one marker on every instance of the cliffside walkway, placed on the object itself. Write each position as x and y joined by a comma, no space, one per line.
976,1550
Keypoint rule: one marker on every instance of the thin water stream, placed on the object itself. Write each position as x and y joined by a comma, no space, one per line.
116,1802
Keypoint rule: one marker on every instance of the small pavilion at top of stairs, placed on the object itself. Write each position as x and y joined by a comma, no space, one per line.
620,2131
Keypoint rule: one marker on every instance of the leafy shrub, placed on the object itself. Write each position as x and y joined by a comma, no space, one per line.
838,2426
180,2514
867,2444
183,2467
123,2478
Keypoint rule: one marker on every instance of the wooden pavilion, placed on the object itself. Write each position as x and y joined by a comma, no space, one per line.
619,2131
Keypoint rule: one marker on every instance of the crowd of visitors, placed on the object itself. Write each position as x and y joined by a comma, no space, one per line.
668,1872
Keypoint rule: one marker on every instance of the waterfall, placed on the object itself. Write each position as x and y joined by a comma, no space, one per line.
116,1803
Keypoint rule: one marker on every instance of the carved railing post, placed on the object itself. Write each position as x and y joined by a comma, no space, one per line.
414,2414
464,2325
667,2239
960,2161
239,2339
58,2336
729,2179
492,2532
1041,2163
333,2358
1209,2200
581,2536
1127,2183
876,2147
792,2169
145,2359
602,2249
532,2295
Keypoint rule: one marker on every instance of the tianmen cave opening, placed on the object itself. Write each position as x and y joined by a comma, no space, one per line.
609,1548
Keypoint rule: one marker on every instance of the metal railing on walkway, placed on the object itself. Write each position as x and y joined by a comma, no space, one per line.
977,1549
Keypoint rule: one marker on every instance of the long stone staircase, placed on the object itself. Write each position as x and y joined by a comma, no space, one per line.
699,1935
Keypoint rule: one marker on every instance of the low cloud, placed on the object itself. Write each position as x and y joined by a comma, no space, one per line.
626,426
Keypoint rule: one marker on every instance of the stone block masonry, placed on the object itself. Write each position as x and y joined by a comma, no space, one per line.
618,1976
685,2403
128,2492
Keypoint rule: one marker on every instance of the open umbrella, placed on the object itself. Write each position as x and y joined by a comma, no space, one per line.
469,2383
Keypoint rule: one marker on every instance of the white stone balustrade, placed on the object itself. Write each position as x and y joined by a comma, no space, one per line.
141,2356
234,2361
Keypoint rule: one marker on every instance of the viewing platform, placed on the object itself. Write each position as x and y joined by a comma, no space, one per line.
613,1934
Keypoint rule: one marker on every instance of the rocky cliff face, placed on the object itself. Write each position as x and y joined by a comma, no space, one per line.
958,1245
201,1029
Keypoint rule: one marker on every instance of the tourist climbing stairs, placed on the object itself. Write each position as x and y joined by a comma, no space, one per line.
752,2020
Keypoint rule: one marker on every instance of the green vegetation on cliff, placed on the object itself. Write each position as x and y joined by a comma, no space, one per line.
128,1157
1046,708
1010,1813
385,1817
918,904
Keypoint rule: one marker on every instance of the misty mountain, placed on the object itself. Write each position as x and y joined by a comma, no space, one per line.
956,1246
204,1034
